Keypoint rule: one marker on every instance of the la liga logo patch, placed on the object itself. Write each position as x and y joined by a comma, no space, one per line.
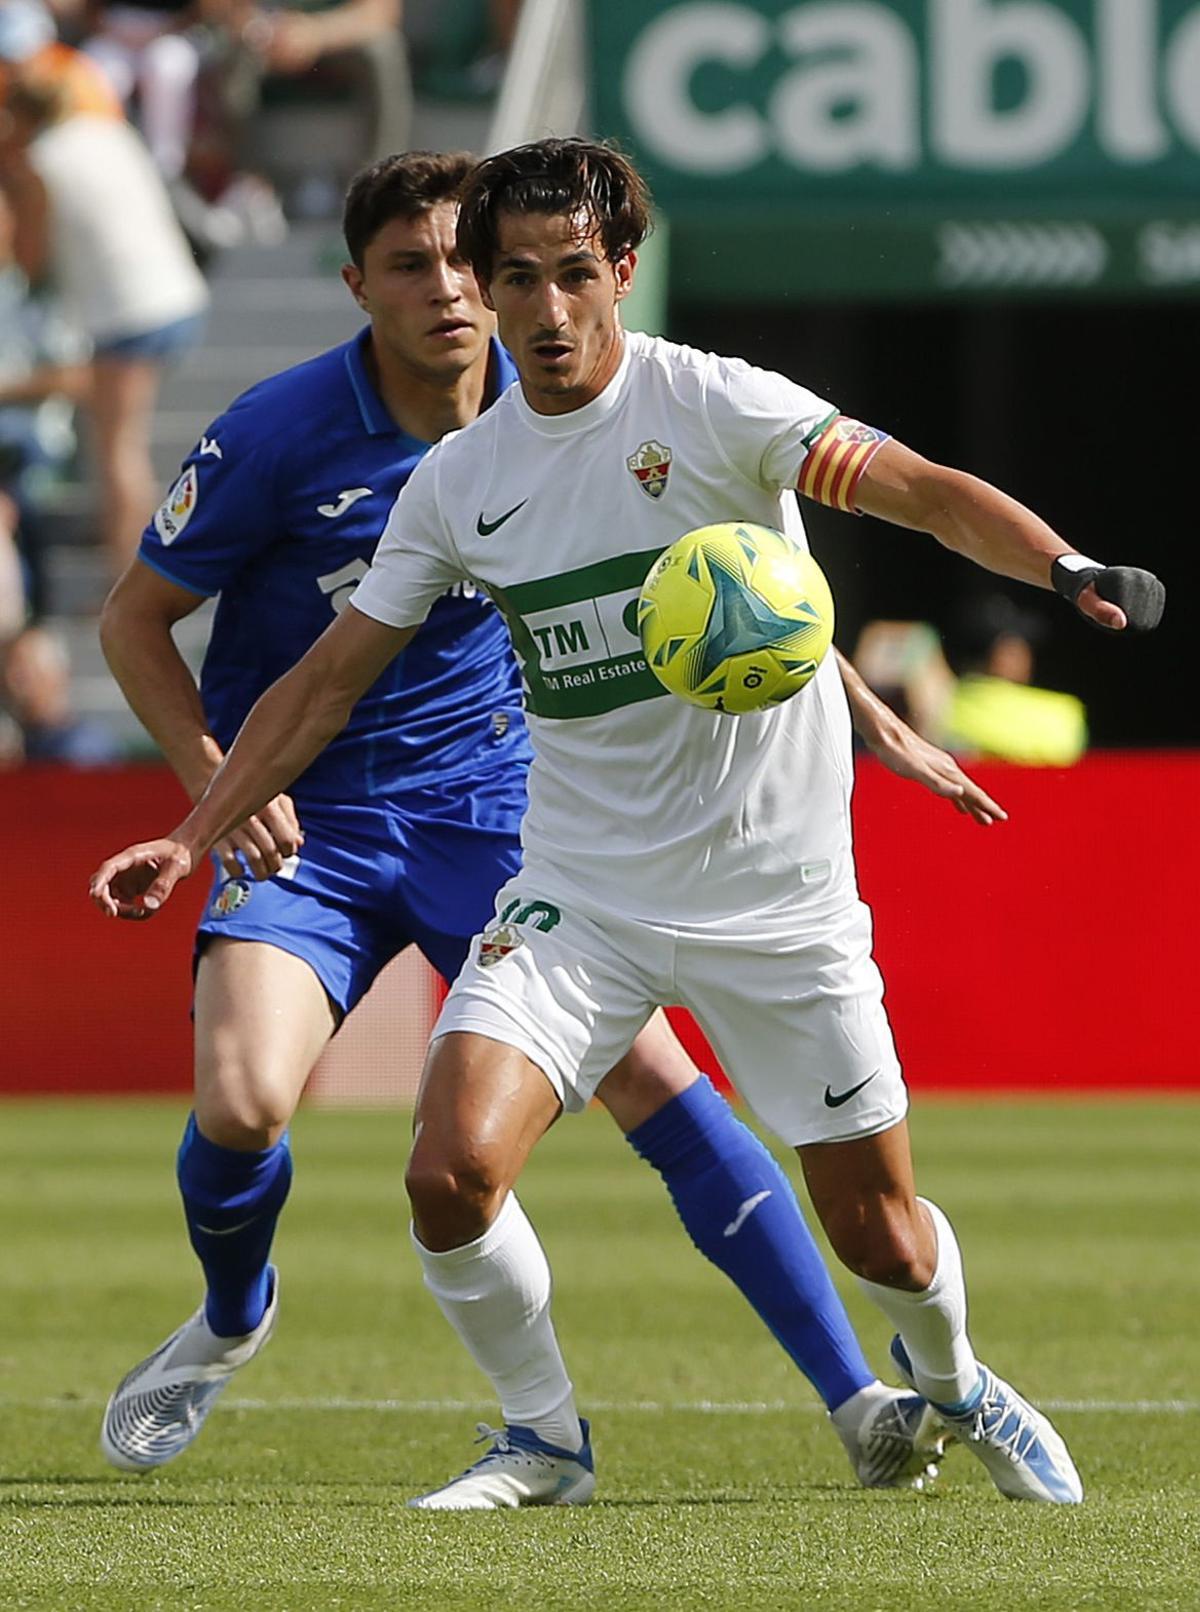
177,507
650,467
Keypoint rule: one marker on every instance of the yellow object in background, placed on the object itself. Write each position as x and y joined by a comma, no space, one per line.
993,718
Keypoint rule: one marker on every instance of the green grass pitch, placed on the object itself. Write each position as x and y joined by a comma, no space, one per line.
720,1484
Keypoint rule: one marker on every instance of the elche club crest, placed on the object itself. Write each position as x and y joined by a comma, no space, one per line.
650,466
496,944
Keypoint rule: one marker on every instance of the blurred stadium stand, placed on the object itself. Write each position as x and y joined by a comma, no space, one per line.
273,306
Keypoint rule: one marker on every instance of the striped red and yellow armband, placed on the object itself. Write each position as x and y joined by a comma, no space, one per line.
837,457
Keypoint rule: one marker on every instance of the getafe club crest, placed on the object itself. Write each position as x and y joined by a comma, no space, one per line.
495,944
175,511
230,898
651,465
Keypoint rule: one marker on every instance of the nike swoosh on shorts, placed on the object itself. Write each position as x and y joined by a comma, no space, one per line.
832,1101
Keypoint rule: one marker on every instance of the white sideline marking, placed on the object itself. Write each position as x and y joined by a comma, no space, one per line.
707,1407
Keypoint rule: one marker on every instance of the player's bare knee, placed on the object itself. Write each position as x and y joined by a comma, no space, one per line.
881,1243
245,1117
455,1192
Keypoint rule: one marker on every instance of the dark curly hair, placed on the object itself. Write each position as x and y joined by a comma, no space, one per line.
401,186
587,179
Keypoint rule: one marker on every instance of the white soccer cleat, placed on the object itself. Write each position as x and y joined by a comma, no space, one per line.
897,1442
159,1408
520,1469
1022,1450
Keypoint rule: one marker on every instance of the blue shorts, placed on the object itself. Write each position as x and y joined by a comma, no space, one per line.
372,879
164,341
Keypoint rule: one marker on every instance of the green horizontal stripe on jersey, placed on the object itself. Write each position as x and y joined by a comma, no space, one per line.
577,640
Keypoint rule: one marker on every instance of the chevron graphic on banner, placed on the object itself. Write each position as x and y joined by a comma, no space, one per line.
1011,254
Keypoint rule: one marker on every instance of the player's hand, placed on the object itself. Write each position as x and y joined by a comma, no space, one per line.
905,753
136,882
265,841
1116,598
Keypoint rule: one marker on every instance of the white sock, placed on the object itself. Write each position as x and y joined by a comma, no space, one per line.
933,1324
495,1293
851,1413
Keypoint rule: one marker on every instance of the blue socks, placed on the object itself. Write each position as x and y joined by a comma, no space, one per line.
231,1201
740,1211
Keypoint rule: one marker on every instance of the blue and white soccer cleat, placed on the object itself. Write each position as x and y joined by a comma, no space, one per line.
1023,1452
896,1443
520,1469
159,1408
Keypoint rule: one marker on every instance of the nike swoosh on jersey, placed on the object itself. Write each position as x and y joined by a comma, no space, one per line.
744,1213
844,1096
486,528
350,495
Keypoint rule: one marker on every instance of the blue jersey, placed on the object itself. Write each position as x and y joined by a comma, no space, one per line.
278,510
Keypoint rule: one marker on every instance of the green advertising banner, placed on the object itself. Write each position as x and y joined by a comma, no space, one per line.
915,146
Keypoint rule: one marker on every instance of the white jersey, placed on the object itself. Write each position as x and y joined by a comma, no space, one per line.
119,255
638,802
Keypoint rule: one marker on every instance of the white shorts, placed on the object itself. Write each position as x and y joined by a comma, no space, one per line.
797,1022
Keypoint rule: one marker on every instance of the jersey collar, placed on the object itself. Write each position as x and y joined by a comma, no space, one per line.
377,422
567,425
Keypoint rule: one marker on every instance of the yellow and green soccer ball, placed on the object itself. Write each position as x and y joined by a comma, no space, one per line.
735,617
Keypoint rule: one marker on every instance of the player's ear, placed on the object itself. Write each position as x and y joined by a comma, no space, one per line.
353,279
623,273
484,293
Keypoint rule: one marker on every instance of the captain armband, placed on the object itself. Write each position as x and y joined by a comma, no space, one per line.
837,457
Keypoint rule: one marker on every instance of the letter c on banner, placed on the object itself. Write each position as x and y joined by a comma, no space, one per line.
658,78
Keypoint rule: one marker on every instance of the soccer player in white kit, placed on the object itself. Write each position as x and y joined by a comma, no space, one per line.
670,854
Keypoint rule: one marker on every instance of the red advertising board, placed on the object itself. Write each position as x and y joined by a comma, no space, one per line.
1050,953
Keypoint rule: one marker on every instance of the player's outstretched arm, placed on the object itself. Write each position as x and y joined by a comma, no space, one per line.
987,526
135,635
903,751
287,729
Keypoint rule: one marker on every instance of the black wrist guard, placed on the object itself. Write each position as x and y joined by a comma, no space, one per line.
1138,593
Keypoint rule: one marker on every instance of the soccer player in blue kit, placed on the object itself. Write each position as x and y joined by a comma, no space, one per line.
401,831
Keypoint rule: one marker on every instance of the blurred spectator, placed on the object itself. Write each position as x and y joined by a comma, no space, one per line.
361,41
995,712
487,70
973,692
28,41
903,662
147,51
94,214
39,375
505,15
36,685
152,55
